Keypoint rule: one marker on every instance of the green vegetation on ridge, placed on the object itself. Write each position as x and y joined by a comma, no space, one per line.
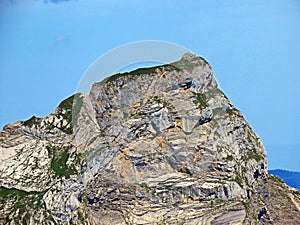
201,100
142,71
21,203
59,161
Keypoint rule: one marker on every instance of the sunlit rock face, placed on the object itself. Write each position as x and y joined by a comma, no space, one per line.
160,145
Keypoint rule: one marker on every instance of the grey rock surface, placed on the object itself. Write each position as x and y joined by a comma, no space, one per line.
160,145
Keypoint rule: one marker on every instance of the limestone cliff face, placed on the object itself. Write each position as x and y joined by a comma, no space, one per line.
159,145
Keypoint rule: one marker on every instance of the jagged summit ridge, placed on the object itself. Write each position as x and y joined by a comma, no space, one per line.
159,145
189,65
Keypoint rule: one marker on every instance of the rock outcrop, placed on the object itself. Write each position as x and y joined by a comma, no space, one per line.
160,145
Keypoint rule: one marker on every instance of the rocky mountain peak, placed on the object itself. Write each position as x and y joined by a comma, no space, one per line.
189,56
159,145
